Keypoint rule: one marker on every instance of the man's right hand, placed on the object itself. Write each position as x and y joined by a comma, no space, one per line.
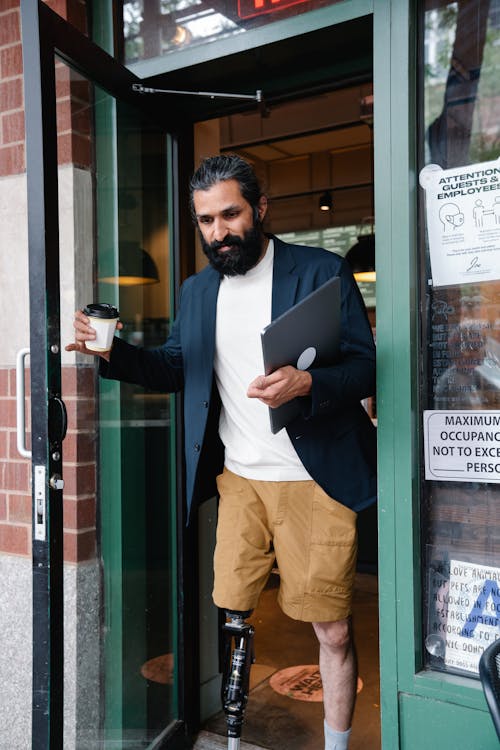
84,332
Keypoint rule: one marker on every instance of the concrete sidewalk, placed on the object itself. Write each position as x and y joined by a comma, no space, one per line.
210,741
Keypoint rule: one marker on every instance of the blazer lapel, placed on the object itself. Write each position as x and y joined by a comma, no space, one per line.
208,316
285,281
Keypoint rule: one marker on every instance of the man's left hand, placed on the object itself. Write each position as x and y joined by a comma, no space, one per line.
280,386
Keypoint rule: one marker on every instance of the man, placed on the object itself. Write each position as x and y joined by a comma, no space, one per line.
294,494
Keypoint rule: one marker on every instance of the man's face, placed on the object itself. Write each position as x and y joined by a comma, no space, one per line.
231,239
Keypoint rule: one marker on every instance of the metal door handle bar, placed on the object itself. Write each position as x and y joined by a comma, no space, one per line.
20,410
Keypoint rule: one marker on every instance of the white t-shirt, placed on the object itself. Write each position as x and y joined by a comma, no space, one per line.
243,310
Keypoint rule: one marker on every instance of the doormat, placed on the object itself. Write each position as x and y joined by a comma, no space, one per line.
160,669
301,683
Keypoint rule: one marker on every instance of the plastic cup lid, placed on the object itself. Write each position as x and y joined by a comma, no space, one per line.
101,310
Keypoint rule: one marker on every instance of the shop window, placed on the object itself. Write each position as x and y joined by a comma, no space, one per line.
460,367
162,27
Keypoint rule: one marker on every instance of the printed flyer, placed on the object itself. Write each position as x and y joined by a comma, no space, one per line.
463,222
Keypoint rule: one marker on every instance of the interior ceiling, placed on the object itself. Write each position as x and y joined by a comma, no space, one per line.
305,147
309,135
297,66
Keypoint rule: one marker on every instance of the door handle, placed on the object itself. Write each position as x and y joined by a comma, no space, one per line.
20,407
58,419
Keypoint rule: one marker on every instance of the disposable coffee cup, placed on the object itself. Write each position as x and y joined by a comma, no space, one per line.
103,319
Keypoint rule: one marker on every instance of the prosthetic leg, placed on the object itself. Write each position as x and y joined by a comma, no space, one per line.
238,655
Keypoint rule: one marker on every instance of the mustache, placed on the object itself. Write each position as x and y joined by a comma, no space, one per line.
230,240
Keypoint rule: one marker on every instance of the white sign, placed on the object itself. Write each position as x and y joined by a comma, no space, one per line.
463,222
462,446
473,621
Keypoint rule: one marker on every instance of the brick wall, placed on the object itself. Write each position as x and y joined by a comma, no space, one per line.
12,153
73,117
79,461
78,383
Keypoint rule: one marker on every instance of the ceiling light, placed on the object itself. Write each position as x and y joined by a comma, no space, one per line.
135,266
325,202
361,258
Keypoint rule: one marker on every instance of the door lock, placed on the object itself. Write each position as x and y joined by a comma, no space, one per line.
56,482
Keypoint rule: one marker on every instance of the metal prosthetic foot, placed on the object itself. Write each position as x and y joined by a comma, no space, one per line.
238,658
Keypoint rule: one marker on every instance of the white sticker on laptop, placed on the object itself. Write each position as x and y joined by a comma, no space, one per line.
306,359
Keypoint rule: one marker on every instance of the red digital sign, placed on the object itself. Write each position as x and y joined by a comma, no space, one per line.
250,8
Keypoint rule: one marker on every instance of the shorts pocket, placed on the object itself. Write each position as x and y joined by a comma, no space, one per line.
333,550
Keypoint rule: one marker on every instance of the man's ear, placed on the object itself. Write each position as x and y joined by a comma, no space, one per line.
262,207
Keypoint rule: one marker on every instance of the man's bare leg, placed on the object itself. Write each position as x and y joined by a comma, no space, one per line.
339,673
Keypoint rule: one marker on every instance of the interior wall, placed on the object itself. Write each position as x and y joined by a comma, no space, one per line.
206,143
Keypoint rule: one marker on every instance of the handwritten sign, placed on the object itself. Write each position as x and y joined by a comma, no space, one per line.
463,222
462,446
473,613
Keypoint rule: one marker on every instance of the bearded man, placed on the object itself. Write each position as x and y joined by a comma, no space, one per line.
293,496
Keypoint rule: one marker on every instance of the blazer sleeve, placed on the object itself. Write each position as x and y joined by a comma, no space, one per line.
159,369
353,377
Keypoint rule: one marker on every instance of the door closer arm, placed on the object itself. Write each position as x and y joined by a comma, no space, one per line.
257,97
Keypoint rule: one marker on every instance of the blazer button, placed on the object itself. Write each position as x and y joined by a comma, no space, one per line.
205,404
197,447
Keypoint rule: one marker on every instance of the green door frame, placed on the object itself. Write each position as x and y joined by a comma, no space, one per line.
395,33
397,376
417,706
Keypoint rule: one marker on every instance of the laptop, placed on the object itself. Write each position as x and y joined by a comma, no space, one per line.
306,335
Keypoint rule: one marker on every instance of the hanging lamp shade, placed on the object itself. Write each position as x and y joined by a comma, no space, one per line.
135,267
361,258
325,201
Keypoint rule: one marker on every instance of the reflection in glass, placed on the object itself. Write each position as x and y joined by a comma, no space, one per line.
115,179
461,323
160,27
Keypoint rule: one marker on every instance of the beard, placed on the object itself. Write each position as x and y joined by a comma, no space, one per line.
244,253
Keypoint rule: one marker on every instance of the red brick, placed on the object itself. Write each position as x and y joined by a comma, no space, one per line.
20,508
12,447
81,414
72,11
8,412
63,112
8,4
78,381
27,380
63,86
79,447
80,480
11,61
3,506
15,539
13,127
86,381
80,88
11,94
4,435
15,475
80,117
10,27
4,382
79,514
12,160
79,546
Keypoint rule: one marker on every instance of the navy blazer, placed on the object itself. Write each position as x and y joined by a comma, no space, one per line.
333,436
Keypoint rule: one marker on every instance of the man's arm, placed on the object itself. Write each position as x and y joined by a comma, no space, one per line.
159,369
327,389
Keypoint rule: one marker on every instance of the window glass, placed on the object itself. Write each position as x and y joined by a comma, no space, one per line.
460,367
161,27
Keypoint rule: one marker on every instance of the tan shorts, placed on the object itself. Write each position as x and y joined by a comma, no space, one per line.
312,537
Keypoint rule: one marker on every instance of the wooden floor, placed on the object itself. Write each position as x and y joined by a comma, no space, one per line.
278,722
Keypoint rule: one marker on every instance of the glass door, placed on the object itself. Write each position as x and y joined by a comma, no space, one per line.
136,432
106,633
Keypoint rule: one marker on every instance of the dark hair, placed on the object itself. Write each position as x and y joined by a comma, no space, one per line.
216,169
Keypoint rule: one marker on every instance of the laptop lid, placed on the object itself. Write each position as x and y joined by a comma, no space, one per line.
306,335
